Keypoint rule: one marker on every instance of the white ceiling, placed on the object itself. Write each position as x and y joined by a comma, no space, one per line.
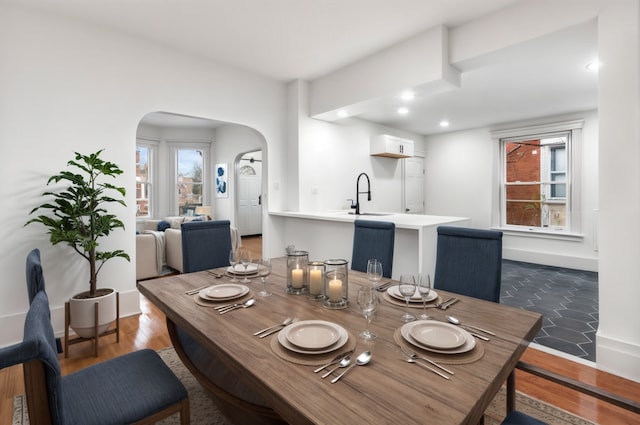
305,39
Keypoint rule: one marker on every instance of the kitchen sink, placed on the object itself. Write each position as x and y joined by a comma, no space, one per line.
372,214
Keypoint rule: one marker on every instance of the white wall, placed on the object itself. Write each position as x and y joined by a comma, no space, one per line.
67,86
332,155
462,176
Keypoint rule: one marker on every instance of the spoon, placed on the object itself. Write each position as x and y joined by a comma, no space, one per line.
455,321
343,363
361,360
412,360
247,303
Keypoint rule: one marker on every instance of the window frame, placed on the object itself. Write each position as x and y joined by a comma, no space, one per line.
573,223
175,146
152,192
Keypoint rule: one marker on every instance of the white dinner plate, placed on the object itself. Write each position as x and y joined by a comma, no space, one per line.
438,335
239,269
394,292
468,345
343,337
223,292
313,334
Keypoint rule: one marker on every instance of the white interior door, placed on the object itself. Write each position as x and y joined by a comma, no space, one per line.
249,204
414,185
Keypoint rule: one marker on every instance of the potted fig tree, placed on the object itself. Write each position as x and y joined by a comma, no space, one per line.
77,216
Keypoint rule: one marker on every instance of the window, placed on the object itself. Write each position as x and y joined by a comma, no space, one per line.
540,178
189,181
143,181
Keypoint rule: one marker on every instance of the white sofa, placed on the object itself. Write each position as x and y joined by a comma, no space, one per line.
160,251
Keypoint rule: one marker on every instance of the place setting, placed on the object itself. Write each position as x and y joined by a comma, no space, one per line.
311,342
220,296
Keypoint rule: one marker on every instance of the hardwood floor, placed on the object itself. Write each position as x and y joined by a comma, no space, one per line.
148,330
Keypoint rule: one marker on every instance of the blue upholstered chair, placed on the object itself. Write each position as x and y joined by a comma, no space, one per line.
135,388
35,276
373,239
469,262
205,245
35,281
519,418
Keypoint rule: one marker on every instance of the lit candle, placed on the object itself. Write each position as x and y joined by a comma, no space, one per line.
335,291
296,278
315,281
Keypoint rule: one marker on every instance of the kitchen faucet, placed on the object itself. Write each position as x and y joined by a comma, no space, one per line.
368,192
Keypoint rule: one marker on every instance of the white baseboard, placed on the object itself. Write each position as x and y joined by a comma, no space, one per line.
14,325
618,357
549,259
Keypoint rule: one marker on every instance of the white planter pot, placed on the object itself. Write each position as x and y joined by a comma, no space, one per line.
82,313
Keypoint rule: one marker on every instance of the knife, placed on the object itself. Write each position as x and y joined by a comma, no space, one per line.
335,360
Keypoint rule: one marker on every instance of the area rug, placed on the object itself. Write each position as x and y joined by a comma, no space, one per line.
204,412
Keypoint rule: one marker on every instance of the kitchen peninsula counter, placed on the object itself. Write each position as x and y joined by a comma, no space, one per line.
330,235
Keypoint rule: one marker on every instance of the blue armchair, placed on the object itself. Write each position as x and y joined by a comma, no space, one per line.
205,245
373,239
469,262
135,388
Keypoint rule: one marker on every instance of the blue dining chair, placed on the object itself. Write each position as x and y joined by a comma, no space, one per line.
35,276
35,281
134,388
469,262
373,239
205,245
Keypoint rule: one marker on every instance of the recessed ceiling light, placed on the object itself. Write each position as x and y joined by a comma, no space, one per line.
403,111
594,66
407,96
343,114
444,123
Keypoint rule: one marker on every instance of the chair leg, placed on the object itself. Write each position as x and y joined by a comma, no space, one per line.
185,413
511,392
67,322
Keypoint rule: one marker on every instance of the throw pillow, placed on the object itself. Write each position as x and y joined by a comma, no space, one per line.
163,225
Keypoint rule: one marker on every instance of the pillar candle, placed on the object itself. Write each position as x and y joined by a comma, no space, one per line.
296,278
335,291
315,281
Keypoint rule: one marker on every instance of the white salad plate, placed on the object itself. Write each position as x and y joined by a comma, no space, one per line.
468,345
239,269
394,292
313,337
223,292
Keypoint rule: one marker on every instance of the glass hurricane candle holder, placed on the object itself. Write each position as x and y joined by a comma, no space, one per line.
297,272
336,284
316,280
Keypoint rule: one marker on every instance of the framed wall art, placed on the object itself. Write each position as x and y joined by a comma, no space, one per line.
222,181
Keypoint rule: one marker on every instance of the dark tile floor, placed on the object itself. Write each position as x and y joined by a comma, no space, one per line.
567,299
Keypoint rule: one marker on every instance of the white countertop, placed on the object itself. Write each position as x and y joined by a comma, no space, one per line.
402,221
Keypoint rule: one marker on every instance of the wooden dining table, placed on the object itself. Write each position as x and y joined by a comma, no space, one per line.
388,390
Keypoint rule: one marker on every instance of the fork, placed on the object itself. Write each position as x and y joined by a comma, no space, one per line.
412,360
286,321
426,359
196,290
439,305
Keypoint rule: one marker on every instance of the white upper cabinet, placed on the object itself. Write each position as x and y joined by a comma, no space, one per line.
391,146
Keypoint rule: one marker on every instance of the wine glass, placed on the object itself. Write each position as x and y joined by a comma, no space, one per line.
374,271
233,260
264,270
407,287
368,302
245,259
424,288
